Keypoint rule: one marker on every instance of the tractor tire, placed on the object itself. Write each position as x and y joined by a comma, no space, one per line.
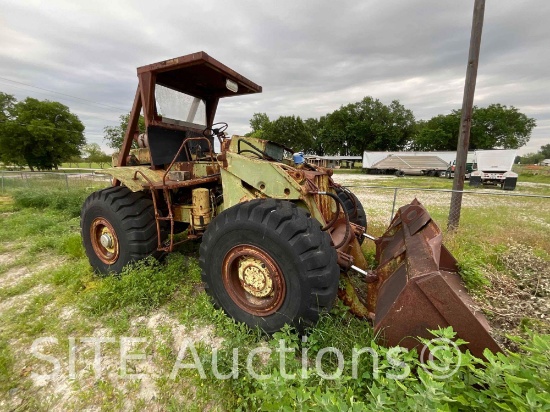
267,263
118,227
359,217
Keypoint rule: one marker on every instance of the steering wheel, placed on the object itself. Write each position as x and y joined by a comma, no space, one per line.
217,129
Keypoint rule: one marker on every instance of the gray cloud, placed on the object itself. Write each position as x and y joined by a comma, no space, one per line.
310,56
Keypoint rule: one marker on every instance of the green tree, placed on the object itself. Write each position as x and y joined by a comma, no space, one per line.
7,102
438,133
114,135
532,158
8,156
494,126
75,159
259,123
313,127
94,154
367,125
289,131
545,151
41,134
499,126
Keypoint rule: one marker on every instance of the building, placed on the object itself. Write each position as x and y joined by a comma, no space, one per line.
333,162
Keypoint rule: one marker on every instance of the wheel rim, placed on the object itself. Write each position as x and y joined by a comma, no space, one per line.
253,280
104,240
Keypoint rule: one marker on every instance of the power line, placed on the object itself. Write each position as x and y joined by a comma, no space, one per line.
85,114
40,127
64,94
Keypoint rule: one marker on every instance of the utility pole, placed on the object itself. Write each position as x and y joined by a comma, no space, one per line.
466,119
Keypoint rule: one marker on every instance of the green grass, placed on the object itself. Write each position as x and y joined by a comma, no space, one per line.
46,228
68,202
6,366
85,165
355,170
417,182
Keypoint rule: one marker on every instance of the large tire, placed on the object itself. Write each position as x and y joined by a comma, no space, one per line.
267,263
353,206
126,220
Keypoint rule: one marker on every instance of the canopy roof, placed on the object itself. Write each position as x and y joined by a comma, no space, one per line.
199,75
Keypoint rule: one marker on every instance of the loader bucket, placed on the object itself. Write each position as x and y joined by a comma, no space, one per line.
418,286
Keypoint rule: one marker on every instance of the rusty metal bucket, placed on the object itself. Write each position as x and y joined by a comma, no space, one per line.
418,287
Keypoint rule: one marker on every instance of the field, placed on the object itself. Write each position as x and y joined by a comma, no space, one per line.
109,343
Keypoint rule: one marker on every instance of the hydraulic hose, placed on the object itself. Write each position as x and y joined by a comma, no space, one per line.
339,204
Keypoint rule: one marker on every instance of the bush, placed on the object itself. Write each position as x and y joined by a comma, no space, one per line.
512,382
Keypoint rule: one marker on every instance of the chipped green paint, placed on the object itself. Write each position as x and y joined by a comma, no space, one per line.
234,192
203,169
248,178
269,178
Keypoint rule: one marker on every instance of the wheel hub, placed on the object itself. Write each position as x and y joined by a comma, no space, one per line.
106,239
255,277
253,280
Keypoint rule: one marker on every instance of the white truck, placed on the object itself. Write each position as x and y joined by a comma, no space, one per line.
494,167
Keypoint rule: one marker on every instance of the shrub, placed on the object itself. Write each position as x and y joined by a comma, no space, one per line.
512,382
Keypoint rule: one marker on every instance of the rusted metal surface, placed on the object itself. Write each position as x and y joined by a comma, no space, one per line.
201,212
185,145
210,72
419,288
104,240
174,184
253,280
325,202
350,297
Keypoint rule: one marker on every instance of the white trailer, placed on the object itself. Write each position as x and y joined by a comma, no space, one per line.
494,167
400,163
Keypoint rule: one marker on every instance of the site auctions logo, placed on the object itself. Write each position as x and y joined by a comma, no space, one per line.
441,359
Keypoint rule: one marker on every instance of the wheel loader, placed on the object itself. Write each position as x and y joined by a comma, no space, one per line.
280,240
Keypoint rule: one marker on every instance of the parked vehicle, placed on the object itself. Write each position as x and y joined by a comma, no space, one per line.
407,163
280,240
450,172
494,167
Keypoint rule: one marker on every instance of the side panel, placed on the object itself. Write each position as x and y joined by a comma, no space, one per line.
246,178
268,178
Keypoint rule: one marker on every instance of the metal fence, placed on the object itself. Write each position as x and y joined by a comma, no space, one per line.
382,202
52,180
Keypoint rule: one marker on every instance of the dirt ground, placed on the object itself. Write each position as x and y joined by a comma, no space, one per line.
508,301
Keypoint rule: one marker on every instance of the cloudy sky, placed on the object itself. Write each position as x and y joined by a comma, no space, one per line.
311,57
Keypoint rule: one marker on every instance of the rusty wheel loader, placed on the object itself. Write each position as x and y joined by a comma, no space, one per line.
280,239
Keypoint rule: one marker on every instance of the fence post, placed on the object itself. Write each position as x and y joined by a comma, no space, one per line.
67,181
2,182
394,199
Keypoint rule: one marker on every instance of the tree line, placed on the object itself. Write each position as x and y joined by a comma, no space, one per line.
370,125
535,158
43,134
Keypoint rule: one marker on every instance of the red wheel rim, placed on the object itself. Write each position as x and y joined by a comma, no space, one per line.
253,280
104,240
